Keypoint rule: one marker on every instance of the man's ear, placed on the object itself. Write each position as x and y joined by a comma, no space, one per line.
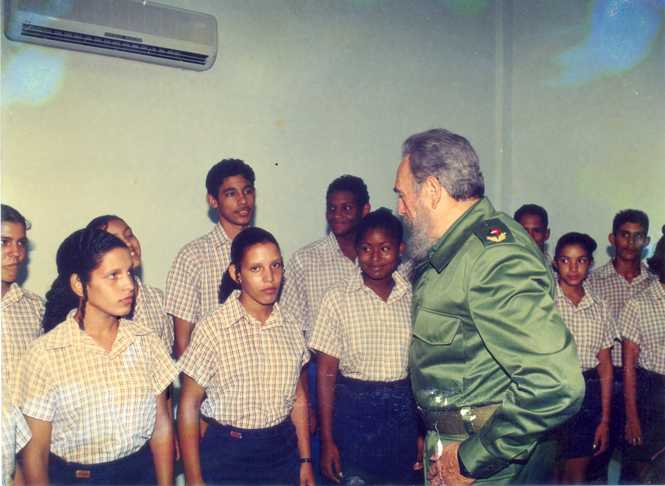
547,234
76,284
433,189
366,209
234,274
402,248
212,202
610,238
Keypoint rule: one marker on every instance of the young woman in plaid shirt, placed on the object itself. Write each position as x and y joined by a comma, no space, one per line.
92,388
589,320
242,372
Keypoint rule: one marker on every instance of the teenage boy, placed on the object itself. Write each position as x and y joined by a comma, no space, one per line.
618,280
192,285
315,268
534,220
22,313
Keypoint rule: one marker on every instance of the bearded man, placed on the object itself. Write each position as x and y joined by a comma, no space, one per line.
493,366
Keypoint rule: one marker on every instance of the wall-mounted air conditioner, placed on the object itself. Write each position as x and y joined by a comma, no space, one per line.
133,29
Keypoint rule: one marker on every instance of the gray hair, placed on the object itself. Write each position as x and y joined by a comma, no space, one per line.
448,157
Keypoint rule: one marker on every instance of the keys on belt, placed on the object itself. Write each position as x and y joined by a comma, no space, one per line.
464,420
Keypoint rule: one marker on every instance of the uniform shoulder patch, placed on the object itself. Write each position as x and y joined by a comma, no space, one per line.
492,231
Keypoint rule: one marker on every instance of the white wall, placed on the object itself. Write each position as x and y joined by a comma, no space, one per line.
306,90
302,90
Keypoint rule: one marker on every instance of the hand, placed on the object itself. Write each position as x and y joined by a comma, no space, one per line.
420,444
633,431
601,438
331,466
306,474
444,470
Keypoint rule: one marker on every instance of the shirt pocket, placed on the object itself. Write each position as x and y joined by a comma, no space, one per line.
435,328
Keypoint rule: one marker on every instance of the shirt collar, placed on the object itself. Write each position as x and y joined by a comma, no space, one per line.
13,295
587,300
356,284
68,333
452,240
219,236
658,290
608,271
235,313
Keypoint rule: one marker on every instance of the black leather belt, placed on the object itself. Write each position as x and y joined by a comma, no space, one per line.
464,420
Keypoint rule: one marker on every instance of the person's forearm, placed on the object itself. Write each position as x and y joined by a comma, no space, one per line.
630,351
605,373
189,438
35,465
183,333
300,418
326,377
161,443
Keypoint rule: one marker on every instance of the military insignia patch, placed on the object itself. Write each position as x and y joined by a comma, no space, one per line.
496,235
492,231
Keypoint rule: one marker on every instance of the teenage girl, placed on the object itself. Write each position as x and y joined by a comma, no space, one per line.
588,318
92,388
369,424
149,304
242,372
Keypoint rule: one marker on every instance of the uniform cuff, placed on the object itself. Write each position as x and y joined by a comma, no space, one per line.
477,460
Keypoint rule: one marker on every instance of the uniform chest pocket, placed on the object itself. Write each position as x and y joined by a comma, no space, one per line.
435,328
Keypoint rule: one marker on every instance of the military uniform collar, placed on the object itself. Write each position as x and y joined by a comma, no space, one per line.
452,240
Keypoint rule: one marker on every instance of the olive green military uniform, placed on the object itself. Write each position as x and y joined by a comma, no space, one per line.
487,336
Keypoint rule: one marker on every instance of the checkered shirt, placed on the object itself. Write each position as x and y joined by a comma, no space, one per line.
643,322
310,272
192,285
101,405
249,370
22,313
591,324
370,337
149,311
15,435
607,284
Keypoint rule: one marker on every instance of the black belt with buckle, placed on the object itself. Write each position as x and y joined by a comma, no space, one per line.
454,421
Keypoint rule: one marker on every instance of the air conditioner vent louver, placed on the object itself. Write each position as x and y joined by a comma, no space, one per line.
112,44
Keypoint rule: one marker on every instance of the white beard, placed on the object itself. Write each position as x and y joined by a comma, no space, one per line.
418,240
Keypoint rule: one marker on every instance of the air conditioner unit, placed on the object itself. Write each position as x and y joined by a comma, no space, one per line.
133,29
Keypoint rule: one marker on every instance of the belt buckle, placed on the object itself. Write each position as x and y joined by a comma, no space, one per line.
468,419
82,474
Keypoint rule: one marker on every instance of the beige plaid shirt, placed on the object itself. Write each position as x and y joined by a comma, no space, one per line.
149,310
643,322
192,285
370,337
22,313
249,370
590,323
607,284
101,405
15,435
310,272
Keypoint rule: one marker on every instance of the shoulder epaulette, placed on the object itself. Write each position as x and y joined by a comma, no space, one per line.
492,231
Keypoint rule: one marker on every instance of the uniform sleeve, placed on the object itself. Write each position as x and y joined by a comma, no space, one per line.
163,370
326,336
510,303
629,322
182,297
294,297
199,359
34,391
168,332
609,327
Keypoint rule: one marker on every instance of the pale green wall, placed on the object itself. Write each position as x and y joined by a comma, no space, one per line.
319,88
306,90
